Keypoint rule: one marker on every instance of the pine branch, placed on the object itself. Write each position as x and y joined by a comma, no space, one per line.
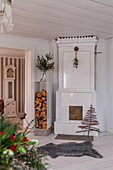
43,63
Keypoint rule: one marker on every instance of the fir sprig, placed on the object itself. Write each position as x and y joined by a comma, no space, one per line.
75,63
43,63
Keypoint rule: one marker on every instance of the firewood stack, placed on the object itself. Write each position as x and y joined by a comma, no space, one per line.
89,121
41,110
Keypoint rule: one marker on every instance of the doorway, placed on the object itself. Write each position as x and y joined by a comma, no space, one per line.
28,106
13,82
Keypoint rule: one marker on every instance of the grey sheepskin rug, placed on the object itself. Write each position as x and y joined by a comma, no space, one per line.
71,149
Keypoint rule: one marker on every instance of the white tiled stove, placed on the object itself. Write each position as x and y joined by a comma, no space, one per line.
76,85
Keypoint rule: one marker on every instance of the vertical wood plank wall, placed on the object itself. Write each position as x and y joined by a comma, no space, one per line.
21,91
19,87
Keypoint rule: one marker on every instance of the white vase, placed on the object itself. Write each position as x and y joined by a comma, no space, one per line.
43,76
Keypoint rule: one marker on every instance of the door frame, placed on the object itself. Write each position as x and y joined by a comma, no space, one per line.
29,74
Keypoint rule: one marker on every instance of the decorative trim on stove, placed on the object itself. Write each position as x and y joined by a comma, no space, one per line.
86,39
77,37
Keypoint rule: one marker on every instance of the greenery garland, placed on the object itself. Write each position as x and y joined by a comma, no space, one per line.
75,63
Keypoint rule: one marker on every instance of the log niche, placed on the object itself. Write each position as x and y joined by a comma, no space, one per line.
41,109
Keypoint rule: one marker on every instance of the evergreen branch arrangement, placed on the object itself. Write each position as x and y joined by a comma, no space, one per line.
43,63
75,63
17,152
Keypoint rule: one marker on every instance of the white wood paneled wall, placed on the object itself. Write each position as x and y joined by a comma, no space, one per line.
19,87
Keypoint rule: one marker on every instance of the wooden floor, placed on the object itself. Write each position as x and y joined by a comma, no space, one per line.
103,144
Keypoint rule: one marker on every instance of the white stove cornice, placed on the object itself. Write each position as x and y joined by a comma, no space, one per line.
75,40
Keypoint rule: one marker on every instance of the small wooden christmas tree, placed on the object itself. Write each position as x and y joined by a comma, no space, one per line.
89,121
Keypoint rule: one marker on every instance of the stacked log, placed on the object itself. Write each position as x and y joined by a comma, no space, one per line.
41,110
89,122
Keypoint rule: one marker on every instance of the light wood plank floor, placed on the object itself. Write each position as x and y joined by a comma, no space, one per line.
103,144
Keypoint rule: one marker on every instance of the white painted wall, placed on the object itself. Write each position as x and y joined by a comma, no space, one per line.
109,86
11,52
104,84
101,82
42,47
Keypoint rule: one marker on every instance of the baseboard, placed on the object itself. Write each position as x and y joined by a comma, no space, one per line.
109,130
42,132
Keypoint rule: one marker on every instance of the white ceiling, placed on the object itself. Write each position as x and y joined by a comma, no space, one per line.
50,19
